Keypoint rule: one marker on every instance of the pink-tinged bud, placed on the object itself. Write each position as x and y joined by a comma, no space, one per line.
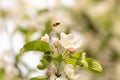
48,73
45,38
56,42
72,50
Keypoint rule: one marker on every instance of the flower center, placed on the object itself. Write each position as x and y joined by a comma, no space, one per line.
69,43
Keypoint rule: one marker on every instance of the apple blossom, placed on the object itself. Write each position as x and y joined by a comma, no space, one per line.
68,41
45,38
60,64
69,70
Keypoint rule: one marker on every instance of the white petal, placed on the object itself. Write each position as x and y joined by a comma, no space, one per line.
66,44
54,39
76,77
66,40
70,37
77,44
45,38
63,35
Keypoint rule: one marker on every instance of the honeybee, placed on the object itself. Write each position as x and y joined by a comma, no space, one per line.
56,24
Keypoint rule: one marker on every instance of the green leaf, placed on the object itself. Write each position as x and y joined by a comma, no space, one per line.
40,78
57,57
80,59
36,45
70,61
49,52
77,55
94,65
78,62
47,57
44,64
83,60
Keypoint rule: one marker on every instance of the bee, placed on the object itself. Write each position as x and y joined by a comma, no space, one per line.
56,24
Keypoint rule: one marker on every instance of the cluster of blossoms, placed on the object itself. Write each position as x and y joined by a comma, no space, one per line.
70,43
67,41
61,58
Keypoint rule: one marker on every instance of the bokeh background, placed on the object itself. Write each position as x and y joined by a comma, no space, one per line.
21,21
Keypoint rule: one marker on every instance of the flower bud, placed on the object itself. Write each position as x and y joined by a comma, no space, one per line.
72,50
45,38
48,73
56,42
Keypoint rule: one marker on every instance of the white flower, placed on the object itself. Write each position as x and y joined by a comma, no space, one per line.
68,41
56,41
45,38
69,71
